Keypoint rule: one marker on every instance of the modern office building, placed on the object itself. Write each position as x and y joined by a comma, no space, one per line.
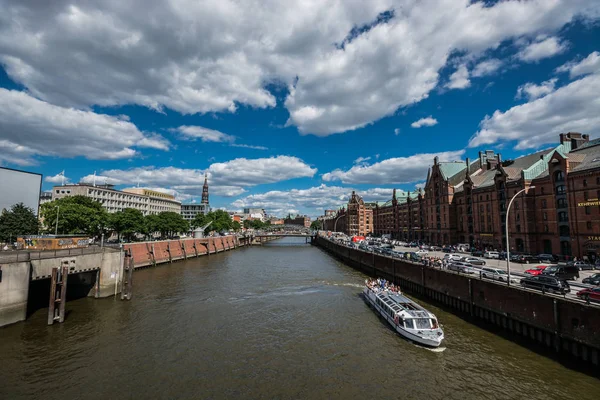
146,200
189,211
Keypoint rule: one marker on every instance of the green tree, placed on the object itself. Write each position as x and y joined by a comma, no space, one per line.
76,215
316,225
221,221
200,220
151,224
170,222
127,222
236,226
19,220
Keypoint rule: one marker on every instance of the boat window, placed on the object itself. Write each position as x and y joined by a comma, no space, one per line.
408,323
434,324
423,323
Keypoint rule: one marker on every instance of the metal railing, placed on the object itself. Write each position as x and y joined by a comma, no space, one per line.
26,255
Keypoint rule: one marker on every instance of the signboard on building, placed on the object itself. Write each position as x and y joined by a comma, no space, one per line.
19,187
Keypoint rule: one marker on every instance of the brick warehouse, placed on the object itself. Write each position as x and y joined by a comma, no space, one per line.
466,202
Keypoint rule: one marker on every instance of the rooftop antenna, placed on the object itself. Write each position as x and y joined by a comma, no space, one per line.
63,177
94,178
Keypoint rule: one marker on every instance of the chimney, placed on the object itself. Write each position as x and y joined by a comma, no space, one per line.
467,173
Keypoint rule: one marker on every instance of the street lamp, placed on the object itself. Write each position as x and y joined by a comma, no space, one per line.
335,223
56,225
506,227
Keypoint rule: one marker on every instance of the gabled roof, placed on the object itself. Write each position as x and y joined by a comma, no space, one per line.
450,169
587,157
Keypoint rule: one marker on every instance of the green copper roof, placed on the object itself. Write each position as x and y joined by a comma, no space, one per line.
449,169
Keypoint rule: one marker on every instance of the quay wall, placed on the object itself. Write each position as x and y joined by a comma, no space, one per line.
147,254
569,328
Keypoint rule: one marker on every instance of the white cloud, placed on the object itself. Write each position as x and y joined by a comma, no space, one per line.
211,56
225,179
397,131
542,49
30,127
574,107
459,79
248,146
361,160
589,65
58,178
486,67
312,201
393,170
531,91
204,134
429,121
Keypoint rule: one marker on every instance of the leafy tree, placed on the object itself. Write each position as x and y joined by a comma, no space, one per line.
151,224
221,221
170,222
19,220
76,214
236,226
200,220
316,225
127,222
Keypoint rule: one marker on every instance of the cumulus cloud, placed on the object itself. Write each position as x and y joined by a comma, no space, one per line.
459,79
486,67
429,121
574,107
312,201
531,91
225,179
30,127
393,170
204,134
542,49
107,53
58,178
589,65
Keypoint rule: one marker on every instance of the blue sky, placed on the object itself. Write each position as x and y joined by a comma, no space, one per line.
266,99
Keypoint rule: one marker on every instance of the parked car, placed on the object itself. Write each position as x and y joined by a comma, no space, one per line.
592,280
477,253
474,261
583,265
452,257
496,274
589,294
566,272
422,252
527,259
548,258
546,283
460,267
448,249
536,270
491,254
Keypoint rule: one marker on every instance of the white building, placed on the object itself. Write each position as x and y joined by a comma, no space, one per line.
19,187
255,213
146,200
189,211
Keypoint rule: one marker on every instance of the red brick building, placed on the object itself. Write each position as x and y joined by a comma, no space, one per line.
466,202
356,219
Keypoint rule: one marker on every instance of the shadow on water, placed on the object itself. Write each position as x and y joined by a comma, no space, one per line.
78,286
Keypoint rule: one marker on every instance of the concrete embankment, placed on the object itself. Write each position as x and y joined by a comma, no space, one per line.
566,327
25,280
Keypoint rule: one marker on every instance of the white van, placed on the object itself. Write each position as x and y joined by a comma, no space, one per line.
491,254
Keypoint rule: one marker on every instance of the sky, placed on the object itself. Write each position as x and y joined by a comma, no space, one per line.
288,106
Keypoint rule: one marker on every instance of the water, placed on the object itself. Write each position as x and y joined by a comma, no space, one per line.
263,322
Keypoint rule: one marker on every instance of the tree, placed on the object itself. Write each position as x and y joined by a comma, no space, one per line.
200,220
236,226
76,215
170,222
127,222
151,224
19,220
316,225
221,221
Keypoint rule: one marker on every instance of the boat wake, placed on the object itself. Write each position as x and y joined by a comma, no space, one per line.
347,284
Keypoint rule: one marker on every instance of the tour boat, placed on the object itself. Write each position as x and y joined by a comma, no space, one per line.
408,318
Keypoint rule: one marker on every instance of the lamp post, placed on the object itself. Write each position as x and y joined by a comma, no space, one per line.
56,225
335,223
506,228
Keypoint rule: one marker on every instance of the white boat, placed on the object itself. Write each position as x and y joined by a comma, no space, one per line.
408,318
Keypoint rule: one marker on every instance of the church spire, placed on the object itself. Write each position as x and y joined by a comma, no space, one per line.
205,190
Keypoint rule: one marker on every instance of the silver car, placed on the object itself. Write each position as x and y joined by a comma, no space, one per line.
496,274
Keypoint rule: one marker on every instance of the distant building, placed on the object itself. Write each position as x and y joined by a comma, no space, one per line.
355,219
45,197
302,220
189,211
146,200
330,213
255,213
276,221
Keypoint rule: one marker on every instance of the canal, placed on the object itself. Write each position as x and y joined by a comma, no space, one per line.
284,320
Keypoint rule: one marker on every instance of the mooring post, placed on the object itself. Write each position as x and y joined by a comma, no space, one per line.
127,285
169,251
58,294
183,249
